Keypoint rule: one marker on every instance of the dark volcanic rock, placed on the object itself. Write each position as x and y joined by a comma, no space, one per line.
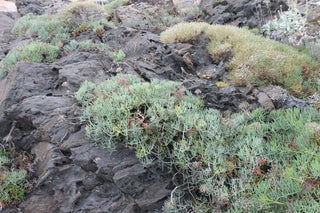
7,21
30,6
26,80
240,13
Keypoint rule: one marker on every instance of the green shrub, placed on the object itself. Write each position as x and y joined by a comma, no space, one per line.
13,57
40,52
78,13
12,187
118,56
252,58
46,28
4,158
71,46
113,5
86,45
100,23
255,31
80,29
256,162
156,105
34,52
54,29
289,27
151,19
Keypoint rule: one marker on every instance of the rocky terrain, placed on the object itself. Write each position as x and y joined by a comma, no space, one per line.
40,118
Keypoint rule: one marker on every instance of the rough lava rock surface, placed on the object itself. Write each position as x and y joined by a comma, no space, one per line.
241,12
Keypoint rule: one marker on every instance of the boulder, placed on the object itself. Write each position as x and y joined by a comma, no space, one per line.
7,20
241,12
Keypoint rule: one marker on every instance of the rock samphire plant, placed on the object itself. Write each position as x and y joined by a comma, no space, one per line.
263,161
252,58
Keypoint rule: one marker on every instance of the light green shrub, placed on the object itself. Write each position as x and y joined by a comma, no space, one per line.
86,45
12,187
252,58
141,102
13,57
46,28
40,52
118,56
113,5
78,13
96,24
34,52
255,162
102,47
71,46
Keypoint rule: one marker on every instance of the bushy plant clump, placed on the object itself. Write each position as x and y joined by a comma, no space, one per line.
78,13
52,33
118,56
109,8
40,52
256,162
144,110
13,57
12,187
289,27
86,45
34,52
47,28
252,58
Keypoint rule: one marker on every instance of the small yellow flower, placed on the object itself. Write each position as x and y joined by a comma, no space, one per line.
318,21
280,5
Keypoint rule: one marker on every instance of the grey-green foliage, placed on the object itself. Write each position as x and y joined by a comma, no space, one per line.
12,187
118,56
46,28
40,52
72,46
3,158
34,52
289,27
113,5
257,162
78,13
156,105
100,23
86,45
13,57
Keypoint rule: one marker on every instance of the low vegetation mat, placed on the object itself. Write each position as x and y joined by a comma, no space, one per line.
12,187
263,161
